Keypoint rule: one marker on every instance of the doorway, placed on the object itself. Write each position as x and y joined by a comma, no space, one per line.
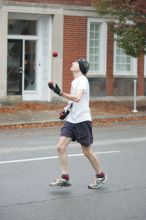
29,56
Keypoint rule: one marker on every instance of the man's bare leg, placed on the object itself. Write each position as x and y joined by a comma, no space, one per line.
62,153
88,152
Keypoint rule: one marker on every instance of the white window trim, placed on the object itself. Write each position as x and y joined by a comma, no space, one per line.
145,66
132,72
103,46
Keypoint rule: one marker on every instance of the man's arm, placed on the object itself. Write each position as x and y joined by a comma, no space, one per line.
58,91
76,98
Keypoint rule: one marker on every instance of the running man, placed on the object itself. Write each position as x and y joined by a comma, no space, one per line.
78,125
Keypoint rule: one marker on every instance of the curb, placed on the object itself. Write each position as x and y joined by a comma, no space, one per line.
102,120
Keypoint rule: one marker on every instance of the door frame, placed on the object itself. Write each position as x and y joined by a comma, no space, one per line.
44,46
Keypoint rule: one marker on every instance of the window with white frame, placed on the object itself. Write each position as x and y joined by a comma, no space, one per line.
123,64
97,33
145,66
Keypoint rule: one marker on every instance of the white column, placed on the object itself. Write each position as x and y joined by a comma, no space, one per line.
50,33
43,57
135,96
57,45
3,54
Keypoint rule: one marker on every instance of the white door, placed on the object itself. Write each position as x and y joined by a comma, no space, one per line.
22,68
29,79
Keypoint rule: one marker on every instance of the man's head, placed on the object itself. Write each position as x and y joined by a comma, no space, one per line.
81,65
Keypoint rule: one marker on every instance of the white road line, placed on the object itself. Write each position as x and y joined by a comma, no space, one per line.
53,157
121,141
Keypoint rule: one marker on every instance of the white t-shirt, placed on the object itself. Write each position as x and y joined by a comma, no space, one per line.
80,111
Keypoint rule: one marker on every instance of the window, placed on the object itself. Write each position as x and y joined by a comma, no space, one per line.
97,32
21,27
94,46
124,64
145,66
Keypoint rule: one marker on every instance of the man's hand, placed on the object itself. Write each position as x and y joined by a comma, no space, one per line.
66,111
55,88
63,115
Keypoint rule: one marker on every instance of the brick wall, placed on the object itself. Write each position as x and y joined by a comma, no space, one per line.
140,70
68,2
75,41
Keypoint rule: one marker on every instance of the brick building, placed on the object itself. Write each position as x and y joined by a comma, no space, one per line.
31,29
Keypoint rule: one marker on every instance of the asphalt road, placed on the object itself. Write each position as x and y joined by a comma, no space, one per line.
28,162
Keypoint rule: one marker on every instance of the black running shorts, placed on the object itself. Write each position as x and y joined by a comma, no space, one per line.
80,132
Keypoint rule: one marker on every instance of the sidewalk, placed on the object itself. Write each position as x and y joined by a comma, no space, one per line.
43,114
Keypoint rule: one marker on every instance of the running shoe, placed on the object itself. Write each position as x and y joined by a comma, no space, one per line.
97,182
60,182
